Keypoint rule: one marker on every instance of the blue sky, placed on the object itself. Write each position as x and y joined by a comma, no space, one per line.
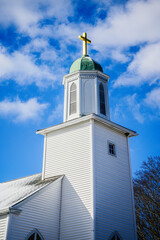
38,43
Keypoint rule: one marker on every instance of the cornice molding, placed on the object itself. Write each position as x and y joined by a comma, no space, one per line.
86,75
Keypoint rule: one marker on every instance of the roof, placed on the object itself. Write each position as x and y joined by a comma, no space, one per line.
14,191
85,63
108,123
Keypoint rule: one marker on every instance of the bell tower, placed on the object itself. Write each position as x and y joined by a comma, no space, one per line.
86,87
92,154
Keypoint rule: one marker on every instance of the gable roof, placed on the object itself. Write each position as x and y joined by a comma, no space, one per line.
17,190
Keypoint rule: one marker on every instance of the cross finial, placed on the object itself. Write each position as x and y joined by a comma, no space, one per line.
85,41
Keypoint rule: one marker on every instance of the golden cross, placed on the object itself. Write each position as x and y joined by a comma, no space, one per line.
85,41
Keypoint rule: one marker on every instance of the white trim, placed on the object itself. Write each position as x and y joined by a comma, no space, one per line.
90,73
132,194
107,102
99,90
75,115
36,191
105,97
9,222
65,103
76,100
10,210
80,96
6,227
93,186
60,209
4,211
96,96
44,156
104,121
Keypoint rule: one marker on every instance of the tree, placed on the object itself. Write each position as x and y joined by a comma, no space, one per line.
147,199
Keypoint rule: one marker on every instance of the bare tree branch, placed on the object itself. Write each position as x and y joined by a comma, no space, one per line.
147,199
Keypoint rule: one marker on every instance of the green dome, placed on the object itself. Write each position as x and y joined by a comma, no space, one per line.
85,63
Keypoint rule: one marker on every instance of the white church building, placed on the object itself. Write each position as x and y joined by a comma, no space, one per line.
85,190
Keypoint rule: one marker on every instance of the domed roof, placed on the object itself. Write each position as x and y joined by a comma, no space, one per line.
85,63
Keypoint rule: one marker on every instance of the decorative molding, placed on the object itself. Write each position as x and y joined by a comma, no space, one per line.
102,78
104,121
86,74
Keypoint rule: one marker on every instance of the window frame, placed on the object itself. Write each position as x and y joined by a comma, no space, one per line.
73,102
101,103
34,231
114,146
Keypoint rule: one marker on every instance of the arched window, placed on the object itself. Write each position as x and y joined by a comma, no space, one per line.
34,235
115,236
102,99
73,99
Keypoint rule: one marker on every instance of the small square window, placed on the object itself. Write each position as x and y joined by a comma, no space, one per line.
111,149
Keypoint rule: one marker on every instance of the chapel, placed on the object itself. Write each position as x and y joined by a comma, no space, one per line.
85,189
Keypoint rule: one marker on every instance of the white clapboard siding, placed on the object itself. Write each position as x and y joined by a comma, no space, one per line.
3,226
40,211
68,151
114,208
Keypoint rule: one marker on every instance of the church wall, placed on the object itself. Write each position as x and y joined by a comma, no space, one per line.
39,211
114,206
68,151
3,226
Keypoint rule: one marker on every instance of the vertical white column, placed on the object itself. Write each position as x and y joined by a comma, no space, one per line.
96,95
80,97
65,103
107,102
132,193
93,192
44,157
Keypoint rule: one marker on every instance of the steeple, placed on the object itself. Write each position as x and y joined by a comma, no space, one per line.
86,87
94,200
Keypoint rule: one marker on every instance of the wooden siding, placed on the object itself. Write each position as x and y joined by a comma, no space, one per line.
3,226
114,206
68,152
39,211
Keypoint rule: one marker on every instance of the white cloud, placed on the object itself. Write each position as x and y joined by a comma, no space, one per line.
153,98
60,9
36,44
57,113
129,105
119,56
21,111
145,67
136,22
146,62
41,46
27,14
22,68
20,13
134,107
